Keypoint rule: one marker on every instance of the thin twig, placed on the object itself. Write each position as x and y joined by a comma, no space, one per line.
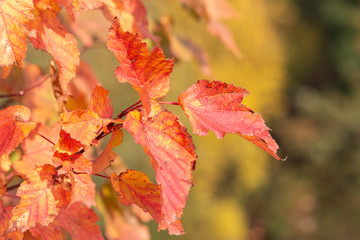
43,137
22,92
170,103
99,175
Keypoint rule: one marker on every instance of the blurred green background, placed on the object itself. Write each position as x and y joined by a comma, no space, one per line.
300,61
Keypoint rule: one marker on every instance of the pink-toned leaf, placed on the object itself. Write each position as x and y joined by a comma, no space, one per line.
173,157
134,187
14,127
108,155
5,216
147,72
41,200
49,232
47,33
14,17
217,106
80,222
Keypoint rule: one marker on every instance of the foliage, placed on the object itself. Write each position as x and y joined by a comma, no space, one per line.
57,191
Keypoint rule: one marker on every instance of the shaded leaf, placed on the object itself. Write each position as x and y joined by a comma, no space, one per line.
173,157
80,222
49,232
42,198
5,216
47,33
217,106
100,102
148,73
134,187
108,155
14,127
74,7
15,15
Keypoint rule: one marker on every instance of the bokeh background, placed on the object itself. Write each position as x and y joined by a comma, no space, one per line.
300,61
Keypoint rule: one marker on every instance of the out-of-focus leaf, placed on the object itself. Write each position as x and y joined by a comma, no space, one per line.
15,15
217,106
5,216
14,127
42,198
148,73
74,7
49,232
134,187
47,33
80,222
108,155
173,157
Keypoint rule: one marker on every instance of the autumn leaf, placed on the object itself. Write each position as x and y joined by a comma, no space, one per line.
49,232
66,144
42,198
84,125
74,7
14,127
80,222
5,216
77,169
134,187
15,15
132,17
108,155
47,33
147,72
173,157
217,106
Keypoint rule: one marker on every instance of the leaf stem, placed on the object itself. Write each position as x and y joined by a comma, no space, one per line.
103,176
43,137
123,113
170,103
22,92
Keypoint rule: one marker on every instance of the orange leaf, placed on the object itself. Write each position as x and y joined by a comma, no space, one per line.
47,33
108,155
217,106
134,187
173,157
37,150
14,127
5,216
82,125
100,102
49,232
66,144
74,7
148,73
14,16
80,222
41,199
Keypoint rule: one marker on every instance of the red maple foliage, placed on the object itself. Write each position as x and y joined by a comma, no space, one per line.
56,192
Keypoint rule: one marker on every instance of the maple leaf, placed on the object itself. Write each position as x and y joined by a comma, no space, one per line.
134,187
42,198
80,222
47,33
217,106
108,155
173,157
15,15
14,127
147,72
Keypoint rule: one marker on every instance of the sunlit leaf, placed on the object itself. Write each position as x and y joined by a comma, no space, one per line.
14,127
217,106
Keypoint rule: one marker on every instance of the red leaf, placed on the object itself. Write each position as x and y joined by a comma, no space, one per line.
173,157
49,232
108,155
134,187
14,16
66,144
41,199
148,73
49,35
14,127
80,222
217,106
